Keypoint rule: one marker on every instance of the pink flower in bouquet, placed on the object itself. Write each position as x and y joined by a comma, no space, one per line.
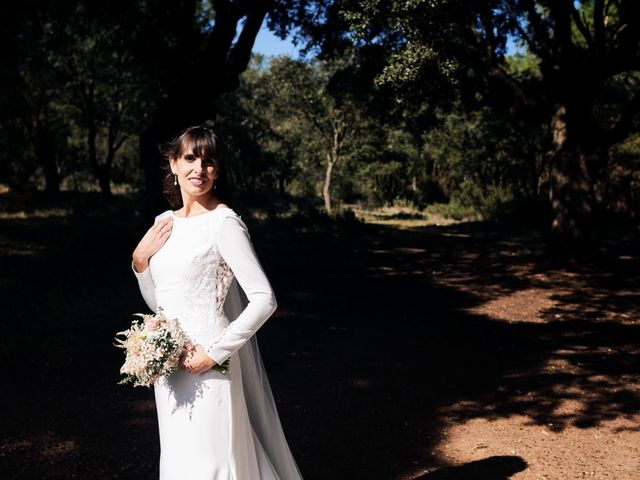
151,323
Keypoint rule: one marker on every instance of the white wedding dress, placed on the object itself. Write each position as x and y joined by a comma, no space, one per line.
214,426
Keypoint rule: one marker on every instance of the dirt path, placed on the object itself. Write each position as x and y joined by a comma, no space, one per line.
585,442
577,414
457,352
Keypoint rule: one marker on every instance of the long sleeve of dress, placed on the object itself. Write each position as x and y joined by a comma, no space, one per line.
145,280
235,247
147,287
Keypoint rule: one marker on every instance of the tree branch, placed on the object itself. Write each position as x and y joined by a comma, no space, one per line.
119,144
586,34
222,34
539,30
562,27
532,45
241,53
599,27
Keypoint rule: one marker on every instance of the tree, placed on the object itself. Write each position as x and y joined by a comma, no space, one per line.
579,48
33,124
488,161
74,89
102,84
260,152
333,118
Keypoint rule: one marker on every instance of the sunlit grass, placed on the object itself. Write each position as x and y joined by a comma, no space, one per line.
54,212
406,216
66,204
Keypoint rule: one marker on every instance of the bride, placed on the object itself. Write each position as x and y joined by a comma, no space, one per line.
193,263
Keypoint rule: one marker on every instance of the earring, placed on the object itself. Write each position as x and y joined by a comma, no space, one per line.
175,179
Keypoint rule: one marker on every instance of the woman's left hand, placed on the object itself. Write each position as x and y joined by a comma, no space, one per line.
195,360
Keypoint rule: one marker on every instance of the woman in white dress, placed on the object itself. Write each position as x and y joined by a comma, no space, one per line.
192,263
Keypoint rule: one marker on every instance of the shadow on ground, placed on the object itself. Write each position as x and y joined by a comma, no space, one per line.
379,344
492,468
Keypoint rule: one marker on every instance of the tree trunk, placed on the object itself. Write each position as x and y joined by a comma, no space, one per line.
46,158
105,184
105,172
571,187
534,174
51,175
101,172
332,159
572,84
326,191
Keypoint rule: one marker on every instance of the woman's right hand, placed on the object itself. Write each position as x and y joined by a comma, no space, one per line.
151,243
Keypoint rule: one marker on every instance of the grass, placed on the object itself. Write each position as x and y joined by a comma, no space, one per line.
408,216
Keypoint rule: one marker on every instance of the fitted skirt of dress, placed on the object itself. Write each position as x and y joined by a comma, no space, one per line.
205,432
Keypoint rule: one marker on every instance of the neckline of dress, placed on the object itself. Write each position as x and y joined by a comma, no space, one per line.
173,214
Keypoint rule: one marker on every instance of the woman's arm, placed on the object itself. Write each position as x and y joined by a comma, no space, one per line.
235,247
147,286
155,237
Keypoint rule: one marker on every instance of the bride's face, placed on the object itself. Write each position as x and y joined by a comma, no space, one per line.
196,176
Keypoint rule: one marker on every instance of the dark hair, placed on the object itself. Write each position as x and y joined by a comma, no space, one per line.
203,143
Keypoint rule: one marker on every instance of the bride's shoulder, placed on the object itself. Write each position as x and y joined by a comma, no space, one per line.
163,215
223,214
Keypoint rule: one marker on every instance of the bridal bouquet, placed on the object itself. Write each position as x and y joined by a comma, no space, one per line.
153,347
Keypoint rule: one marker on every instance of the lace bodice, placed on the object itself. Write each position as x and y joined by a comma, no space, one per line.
190,276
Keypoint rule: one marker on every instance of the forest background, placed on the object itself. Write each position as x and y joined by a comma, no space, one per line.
495,109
